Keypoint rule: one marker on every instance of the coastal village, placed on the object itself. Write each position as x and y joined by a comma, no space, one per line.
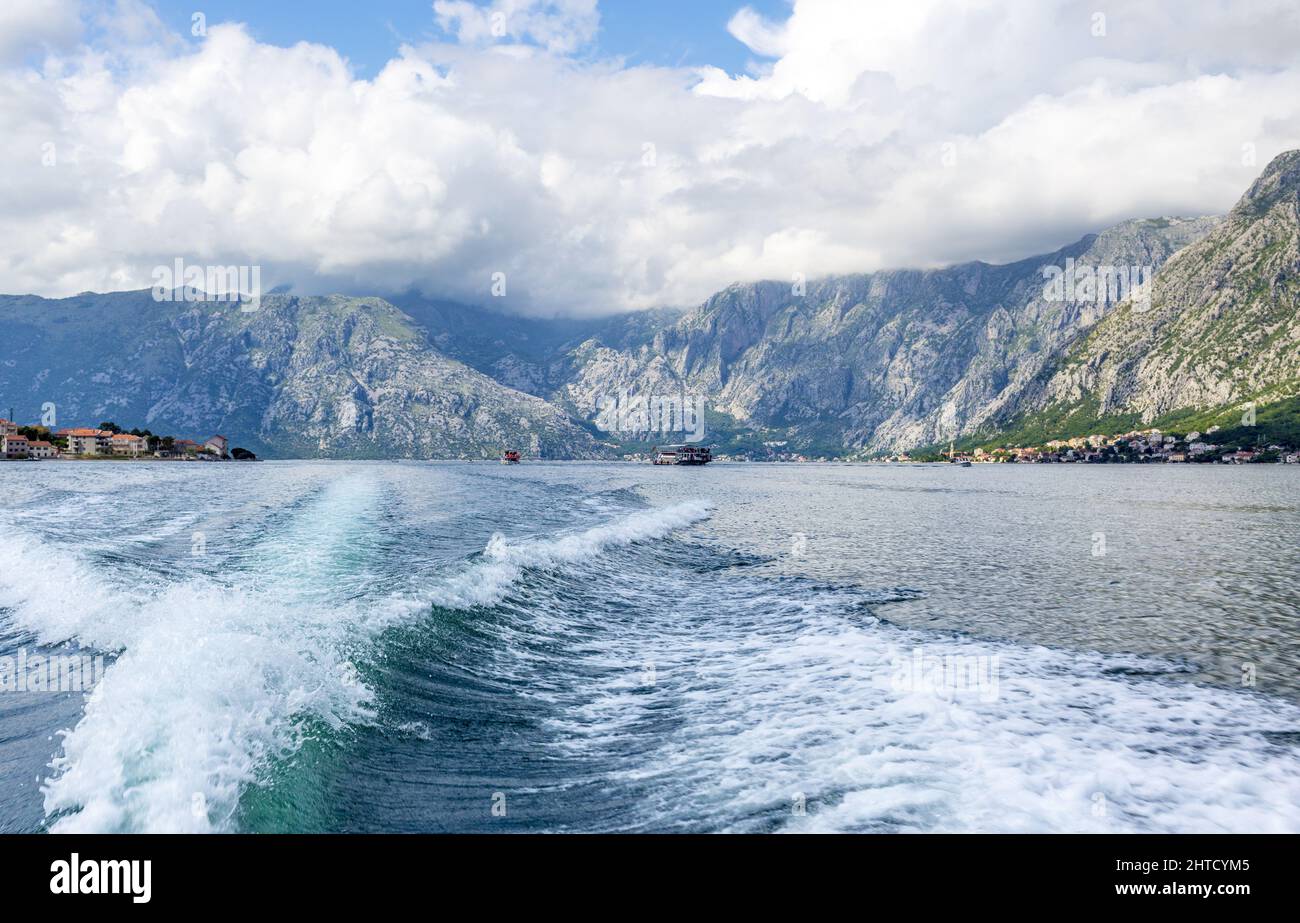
1214,445
1150,446
108,441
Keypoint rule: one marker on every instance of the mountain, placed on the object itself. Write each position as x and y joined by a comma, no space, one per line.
850,365
1222,327
315,376
531,354
887,360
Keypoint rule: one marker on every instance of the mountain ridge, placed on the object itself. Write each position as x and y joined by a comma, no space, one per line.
1222,324
891,359
851,365
327,376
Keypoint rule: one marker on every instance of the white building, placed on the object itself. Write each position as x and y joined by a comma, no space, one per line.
12,446
218,444
88,441
126,444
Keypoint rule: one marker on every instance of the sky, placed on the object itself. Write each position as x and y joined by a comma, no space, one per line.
574,157
666,33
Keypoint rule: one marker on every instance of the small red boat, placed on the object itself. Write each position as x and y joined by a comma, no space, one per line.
510,457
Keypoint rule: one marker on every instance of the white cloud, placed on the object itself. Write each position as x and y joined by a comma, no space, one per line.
874,137
28,26
557,25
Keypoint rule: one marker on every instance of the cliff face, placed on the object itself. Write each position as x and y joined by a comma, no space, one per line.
329,376
889,360
1223,324
896,360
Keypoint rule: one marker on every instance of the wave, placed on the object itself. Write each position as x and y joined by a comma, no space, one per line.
222,675
669,686
52,593
216,677
502,562
790,714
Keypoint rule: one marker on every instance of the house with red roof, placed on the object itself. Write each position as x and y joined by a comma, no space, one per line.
84,441
219,445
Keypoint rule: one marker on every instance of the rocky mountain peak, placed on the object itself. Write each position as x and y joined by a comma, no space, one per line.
1279,183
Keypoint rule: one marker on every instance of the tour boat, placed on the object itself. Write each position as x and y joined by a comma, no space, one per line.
683,455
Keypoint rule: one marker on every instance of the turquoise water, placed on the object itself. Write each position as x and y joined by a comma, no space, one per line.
587,647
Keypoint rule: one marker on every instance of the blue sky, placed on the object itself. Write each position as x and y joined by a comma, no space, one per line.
665,32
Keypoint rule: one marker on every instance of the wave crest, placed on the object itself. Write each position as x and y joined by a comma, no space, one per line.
486,582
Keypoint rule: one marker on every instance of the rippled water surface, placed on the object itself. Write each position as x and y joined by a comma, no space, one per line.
431,647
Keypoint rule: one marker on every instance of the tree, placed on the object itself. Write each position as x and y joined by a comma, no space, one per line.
110,426
242,454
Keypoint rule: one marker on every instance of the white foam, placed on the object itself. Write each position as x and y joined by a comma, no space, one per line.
216,675
193,709
219,673
53,593
487,582
1060,745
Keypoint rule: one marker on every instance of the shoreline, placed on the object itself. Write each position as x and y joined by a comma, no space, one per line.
648,463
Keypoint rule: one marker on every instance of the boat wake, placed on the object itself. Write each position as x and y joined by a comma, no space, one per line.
218,677
357,656
503,562
214,678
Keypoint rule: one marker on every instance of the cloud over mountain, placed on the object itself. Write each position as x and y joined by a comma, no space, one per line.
863,137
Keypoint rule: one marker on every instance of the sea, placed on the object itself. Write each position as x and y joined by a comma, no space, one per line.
326,646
